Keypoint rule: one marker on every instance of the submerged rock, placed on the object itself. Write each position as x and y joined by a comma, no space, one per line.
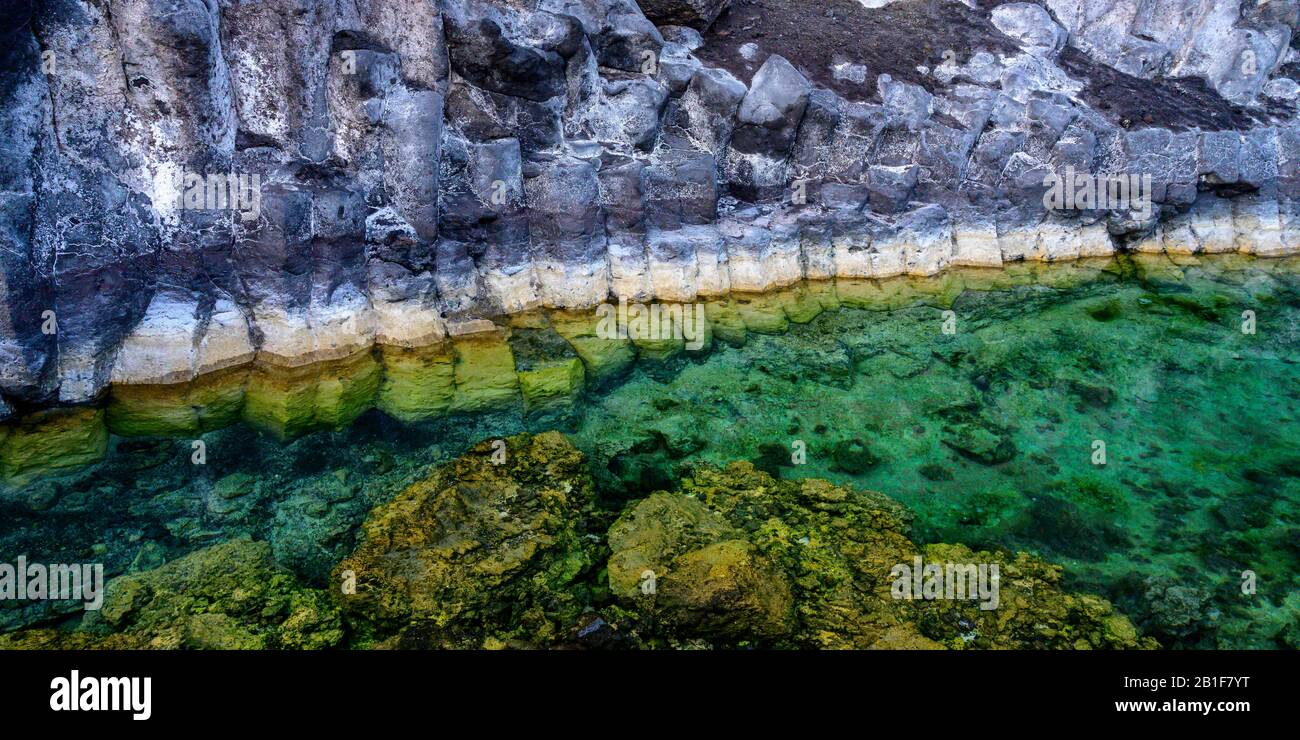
703,573
488,553
503,548
739,557
225,597
58,439
490,547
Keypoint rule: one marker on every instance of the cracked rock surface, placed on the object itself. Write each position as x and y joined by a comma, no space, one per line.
406,169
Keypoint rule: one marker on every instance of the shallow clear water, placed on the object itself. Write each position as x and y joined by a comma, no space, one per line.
990,434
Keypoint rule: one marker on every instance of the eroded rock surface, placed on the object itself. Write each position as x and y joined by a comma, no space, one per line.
738,555
480,550
421,166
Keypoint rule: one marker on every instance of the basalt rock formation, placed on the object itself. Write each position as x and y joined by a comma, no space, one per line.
408,171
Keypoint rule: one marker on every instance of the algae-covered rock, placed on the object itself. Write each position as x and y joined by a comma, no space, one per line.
418,383
705,574
800,303
210,401
726,321
603,357
737,556
51,441
549,383
979,443
761,313
490,546
550,373
227,596
288,402
486,553
484,371
494,550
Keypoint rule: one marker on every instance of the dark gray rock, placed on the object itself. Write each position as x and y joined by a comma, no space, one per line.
771,110
697,14
474,156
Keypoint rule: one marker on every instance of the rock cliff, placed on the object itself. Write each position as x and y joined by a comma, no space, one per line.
194,188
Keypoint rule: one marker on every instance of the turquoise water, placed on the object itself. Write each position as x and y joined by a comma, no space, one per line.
991,434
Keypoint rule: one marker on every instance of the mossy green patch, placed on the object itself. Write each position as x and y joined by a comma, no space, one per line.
800,304
346,390
230,596
604,357
484,371
208,402
725,321
741,559
486,550
52,441
418,383
551,383
288,402
761,313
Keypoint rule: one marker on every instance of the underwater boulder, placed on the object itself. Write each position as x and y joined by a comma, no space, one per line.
705,577
738,558
227,596
1175,610
979,443
488,548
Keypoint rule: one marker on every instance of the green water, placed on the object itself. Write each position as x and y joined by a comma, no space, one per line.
991,434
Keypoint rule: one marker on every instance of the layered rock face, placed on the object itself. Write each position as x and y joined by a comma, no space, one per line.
321,187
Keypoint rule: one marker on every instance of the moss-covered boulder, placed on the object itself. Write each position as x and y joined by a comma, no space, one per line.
227,596
489,550
703,575
738,557
503,548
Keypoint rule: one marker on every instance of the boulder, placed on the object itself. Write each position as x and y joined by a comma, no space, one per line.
491,545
